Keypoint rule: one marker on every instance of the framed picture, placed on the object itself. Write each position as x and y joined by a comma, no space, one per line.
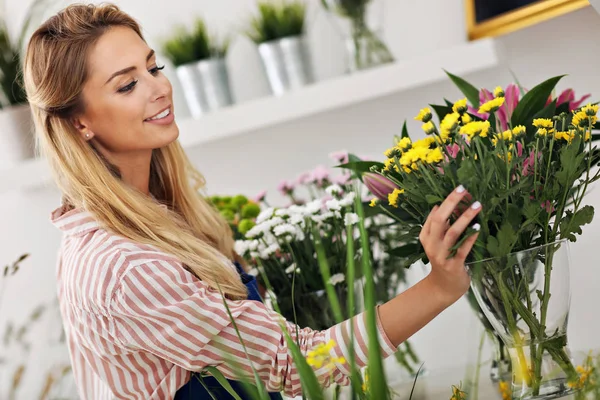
497,17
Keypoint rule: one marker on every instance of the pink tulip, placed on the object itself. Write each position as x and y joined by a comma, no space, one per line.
453,150
379,185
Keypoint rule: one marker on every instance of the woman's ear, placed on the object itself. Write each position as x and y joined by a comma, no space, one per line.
83,129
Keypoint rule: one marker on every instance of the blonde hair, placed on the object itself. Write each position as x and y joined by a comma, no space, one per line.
191,229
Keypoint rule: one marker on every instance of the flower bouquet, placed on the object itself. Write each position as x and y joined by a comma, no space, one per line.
531,179
281,249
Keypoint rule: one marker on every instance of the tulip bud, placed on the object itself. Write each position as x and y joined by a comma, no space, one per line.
379,185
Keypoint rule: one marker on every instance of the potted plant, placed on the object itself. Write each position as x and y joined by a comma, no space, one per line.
199,59
278,30
15,117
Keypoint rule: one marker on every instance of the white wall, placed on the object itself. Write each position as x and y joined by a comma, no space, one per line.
259,160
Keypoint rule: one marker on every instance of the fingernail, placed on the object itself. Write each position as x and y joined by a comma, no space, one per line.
476,227
460,189
476,205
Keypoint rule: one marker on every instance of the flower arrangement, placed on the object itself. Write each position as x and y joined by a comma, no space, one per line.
531,179
187,46
277,19
282,248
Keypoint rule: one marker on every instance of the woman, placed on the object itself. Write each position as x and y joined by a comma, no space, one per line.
144,258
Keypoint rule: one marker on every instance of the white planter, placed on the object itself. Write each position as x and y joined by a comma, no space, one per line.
17,141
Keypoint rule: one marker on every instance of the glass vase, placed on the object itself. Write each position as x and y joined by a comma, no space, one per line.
361,25
526,298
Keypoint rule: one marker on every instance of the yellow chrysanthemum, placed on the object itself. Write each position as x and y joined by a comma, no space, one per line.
564,135
475,128
583,373
393,197
506,136
491,106
591,109
321,356
580,119
424,143
543,123
505,390
393,152
404,143
542,131
373,202
388,164
424,115
519,130
460,106
466,118
450,122
498,92
434,156
428,127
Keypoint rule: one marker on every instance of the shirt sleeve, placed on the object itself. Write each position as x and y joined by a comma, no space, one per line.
163,309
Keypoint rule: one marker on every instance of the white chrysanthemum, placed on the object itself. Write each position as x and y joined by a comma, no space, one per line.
337,278
254,232
333,205
254,254
295,209
314,207
267,252
240,246
334,190
282,212
253,245
284,229
350,219
291,269
297,219
264,215
348,199
322,217
256,271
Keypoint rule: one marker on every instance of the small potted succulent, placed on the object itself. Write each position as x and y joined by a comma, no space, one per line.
199,59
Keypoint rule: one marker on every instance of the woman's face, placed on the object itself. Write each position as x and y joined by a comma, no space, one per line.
128,101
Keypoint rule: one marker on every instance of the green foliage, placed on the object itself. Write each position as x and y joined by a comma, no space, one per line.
239,212
197,44
277,19
347,8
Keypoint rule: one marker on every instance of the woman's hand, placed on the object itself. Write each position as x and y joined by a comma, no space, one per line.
448,275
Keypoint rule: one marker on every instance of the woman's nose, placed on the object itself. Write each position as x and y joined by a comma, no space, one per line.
161,88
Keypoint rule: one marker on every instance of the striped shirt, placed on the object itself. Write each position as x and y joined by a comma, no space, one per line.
138,323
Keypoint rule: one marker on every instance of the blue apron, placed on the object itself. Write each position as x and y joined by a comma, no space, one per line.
194,388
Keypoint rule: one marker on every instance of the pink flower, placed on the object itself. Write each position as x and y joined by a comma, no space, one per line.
379,185
519,149
529,163
341,179
285,187
303,178
453,150
260,196
339,156
504,114
319,175
568,96
547,205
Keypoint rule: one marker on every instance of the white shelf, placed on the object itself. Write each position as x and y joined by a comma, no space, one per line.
319,98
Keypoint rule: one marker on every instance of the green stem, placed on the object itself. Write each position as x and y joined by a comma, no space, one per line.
478,367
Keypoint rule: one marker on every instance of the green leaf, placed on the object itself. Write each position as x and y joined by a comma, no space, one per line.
222,381
441,111
433,199
326,275
360,167
571,223
547,112
406,250
533,101
470,91
503,243
405,131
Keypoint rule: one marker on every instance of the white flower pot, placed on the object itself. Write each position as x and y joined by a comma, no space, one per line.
17,141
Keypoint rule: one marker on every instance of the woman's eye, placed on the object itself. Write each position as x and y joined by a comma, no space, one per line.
154,71
128,88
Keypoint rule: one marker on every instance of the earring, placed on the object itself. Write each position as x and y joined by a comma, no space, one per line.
87,135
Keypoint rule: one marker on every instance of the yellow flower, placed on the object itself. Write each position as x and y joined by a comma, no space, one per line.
542,131
580,118
321,356
590,110
566,136
424,115
404,143
392,152
584,373
449,124
393,197
498,92
466,118
519,130
543,123
505,136
373,202
505,390
588,136
475,128
406,169
428,127
491,105
460,106
434,156
458,394
388,164
424,143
